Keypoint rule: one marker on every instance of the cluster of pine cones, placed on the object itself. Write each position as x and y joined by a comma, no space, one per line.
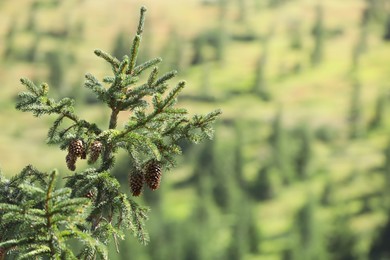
149,174
77,149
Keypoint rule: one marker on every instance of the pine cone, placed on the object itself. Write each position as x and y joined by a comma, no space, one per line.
71,161
90,195
153,174
3,251
76,148
94,151
136,182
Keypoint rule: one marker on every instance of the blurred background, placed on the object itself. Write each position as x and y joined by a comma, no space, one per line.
300,164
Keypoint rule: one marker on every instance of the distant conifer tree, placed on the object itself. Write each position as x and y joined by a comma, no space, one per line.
355,112
341,241
260,85
311,244
280,151
9,41
386,34
304,154
40,220
380,245
262,187
318,33
239,157
327,194
379,113
245,235
360,47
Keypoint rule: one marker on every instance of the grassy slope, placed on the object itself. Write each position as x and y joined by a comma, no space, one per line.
319,96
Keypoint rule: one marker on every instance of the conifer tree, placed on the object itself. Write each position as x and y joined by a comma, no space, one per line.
38,218
245,236
9,41
376,10
341,240
225,186
205,81
304,154
280,152
386,33
360,47
380,245
262,187
379,113
260,87
327,194
318,33
355,112
222,37
310,237
239,157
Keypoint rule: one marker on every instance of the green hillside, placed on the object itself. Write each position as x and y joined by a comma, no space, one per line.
300,163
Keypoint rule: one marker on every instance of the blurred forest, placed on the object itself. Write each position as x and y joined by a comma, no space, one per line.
299,168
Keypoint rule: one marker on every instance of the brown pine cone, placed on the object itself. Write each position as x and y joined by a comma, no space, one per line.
136,182
90,195
153,174
94,151
76,148
71,161
3,251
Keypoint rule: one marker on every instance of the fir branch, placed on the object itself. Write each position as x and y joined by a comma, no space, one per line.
141,23
139,216
52,135
165,77
134,53
146,65
171,98
37,252
30,86
140,141
124,65
94,84
110,59
136,41
152,76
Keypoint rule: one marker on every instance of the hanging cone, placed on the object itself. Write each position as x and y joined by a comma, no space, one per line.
94,151
136,182
71,161
76,148
3,251
153,174
90,195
